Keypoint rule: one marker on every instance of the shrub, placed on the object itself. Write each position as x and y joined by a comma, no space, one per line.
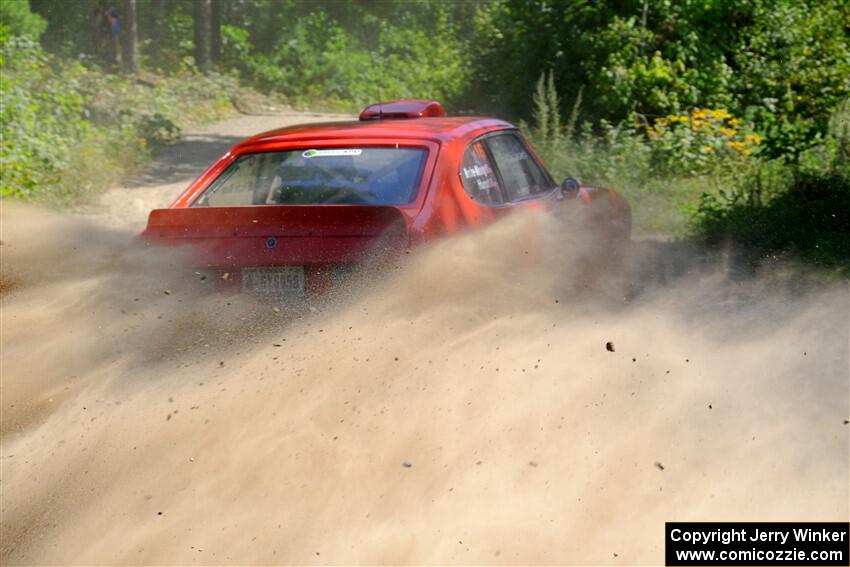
16,18
39,118
699,141
67,130
790,208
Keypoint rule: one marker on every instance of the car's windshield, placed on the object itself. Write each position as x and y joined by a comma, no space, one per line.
367,176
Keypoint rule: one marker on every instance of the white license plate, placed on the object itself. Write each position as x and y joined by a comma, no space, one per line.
287,280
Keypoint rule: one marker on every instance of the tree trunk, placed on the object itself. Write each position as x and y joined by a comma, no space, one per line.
157,21
215,31
202,34
131,36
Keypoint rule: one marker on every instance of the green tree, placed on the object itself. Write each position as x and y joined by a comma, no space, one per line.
131,32
782,64
16,18
202,16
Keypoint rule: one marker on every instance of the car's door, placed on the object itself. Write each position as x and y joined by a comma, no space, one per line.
524,183
500,173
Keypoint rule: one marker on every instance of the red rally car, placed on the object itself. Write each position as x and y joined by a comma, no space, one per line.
293,210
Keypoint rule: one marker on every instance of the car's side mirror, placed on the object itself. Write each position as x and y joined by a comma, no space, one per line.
570,187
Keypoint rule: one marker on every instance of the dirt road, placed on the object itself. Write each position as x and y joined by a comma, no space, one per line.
459,412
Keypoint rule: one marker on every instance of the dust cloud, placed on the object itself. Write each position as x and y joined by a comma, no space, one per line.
469,409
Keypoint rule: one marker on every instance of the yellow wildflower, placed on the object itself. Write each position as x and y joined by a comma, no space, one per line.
740,147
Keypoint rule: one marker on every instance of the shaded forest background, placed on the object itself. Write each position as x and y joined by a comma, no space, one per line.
719,119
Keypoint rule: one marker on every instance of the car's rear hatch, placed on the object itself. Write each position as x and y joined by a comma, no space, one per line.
286,249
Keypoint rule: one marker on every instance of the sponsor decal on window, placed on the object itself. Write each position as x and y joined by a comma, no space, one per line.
332,152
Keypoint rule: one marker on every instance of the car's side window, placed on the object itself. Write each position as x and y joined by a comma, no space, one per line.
521,175
479,179
246,180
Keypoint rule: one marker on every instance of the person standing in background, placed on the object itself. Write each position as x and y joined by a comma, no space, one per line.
107,33
114,23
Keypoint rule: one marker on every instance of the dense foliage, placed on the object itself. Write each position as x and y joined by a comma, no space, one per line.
16,17
720,118
703,174
67,130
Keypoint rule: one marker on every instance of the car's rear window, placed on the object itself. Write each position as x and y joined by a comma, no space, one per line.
363,176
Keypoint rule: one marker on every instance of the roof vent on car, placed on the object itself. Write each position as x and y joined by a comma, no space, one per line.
403,109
